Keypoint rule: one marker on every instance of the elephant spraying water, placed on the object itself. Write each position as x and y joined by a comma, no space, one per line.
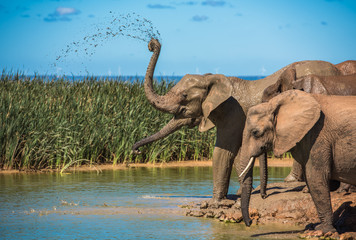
216,100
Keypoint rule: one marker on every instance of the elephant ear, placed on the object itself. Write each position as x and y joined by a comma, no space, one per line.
283,83
287,78
219,90
296,112
272,91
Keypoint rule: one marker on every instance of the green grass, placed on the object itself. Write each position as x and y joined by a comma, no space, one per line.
50,123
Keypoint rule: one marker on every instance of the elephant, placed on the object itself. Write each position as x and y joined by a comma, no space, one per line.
331,85
320,132
347,67
312,83
216,100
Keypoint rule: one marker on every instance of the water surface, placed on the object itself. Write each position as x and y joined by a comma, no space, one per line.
135,203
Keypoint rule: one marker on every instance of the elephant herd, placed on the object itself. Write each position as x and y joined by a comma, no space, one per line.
290,110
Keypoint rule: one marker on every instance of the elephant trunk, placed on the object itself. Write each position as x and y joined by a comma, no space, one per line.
263,175
167,103
246,185
172,126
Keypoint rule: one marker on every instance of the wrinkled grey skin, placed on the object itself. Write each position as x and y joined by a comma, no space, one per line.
347,67
341,84
328,85
320,132
216,100
172,126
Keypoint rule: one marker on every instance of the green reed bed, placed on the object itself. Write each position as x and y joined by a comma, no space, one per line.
50,123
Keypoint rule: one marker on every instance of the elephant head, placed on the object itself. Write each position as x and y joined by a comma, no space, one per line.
190,101
276,125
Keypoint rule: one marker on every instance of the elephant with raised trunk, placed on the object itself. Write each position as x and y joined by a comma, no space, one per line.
216,100
320,132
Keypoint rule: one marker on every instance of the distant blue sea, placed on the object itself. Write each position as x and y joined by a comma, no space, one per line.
131,78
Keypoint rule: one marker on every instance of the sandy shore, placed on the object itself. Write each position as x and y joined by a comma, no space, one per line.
272,162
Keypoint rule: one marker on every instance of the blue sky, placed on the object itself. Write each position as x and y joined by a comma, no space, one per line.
232,37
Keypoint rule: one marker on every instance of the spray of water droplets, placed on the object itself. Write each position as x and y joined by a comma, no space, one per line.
129,25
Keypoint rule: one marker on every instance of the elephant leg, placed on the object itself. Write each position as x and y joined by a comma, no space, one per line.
229,120
222,165
318,182
296,174
344,187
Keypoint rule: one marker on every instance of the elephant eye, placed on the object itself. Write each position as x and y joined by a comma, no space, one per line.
183,110
256,133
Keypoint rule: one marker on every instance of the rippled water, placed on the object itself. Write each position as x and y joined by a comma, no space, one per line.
135,203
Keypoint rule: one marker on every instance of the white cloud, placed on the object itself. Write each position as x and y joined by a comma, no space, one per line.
67,11
61,14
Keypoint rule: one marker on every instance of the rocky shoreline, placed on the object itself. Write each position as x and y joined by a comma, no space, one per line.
285,204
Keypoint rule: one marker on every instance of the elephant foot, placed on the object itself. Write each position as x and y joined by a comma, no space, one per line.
218,203
264,195
325,228
347,188
291,178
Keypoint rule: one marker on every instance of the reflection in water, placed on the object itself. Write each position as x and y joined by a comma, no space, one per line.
132,203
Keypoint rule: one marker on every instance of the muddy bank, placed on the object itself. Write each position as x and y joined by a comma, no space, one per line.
286,204
272,162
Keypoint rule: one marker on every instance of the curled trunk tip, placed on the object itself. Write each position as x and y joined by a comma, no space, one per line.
154,44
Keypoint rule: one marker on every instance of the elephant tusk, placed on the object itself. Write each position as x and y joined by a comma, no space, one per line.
252,159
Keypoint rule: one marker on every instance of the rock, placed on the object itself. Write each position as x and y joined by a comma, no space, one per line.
237,216
218,214
237,204
226,203
286,204
209,214
204,205
196,213
347,236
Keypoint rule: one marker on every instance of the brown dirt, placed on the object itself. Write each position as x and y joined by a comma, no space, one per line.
272,162
286,204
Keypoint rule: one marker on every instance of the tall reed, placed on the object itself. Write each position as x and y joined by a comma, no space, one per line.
48,122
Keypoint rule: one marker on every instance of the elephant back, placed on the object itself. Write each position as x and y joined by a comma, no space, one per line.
319,68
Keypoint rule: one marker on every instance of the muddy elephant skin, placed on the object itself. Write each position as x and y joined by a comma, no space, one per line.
340,84
347,67
320,132
344,85
215,100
